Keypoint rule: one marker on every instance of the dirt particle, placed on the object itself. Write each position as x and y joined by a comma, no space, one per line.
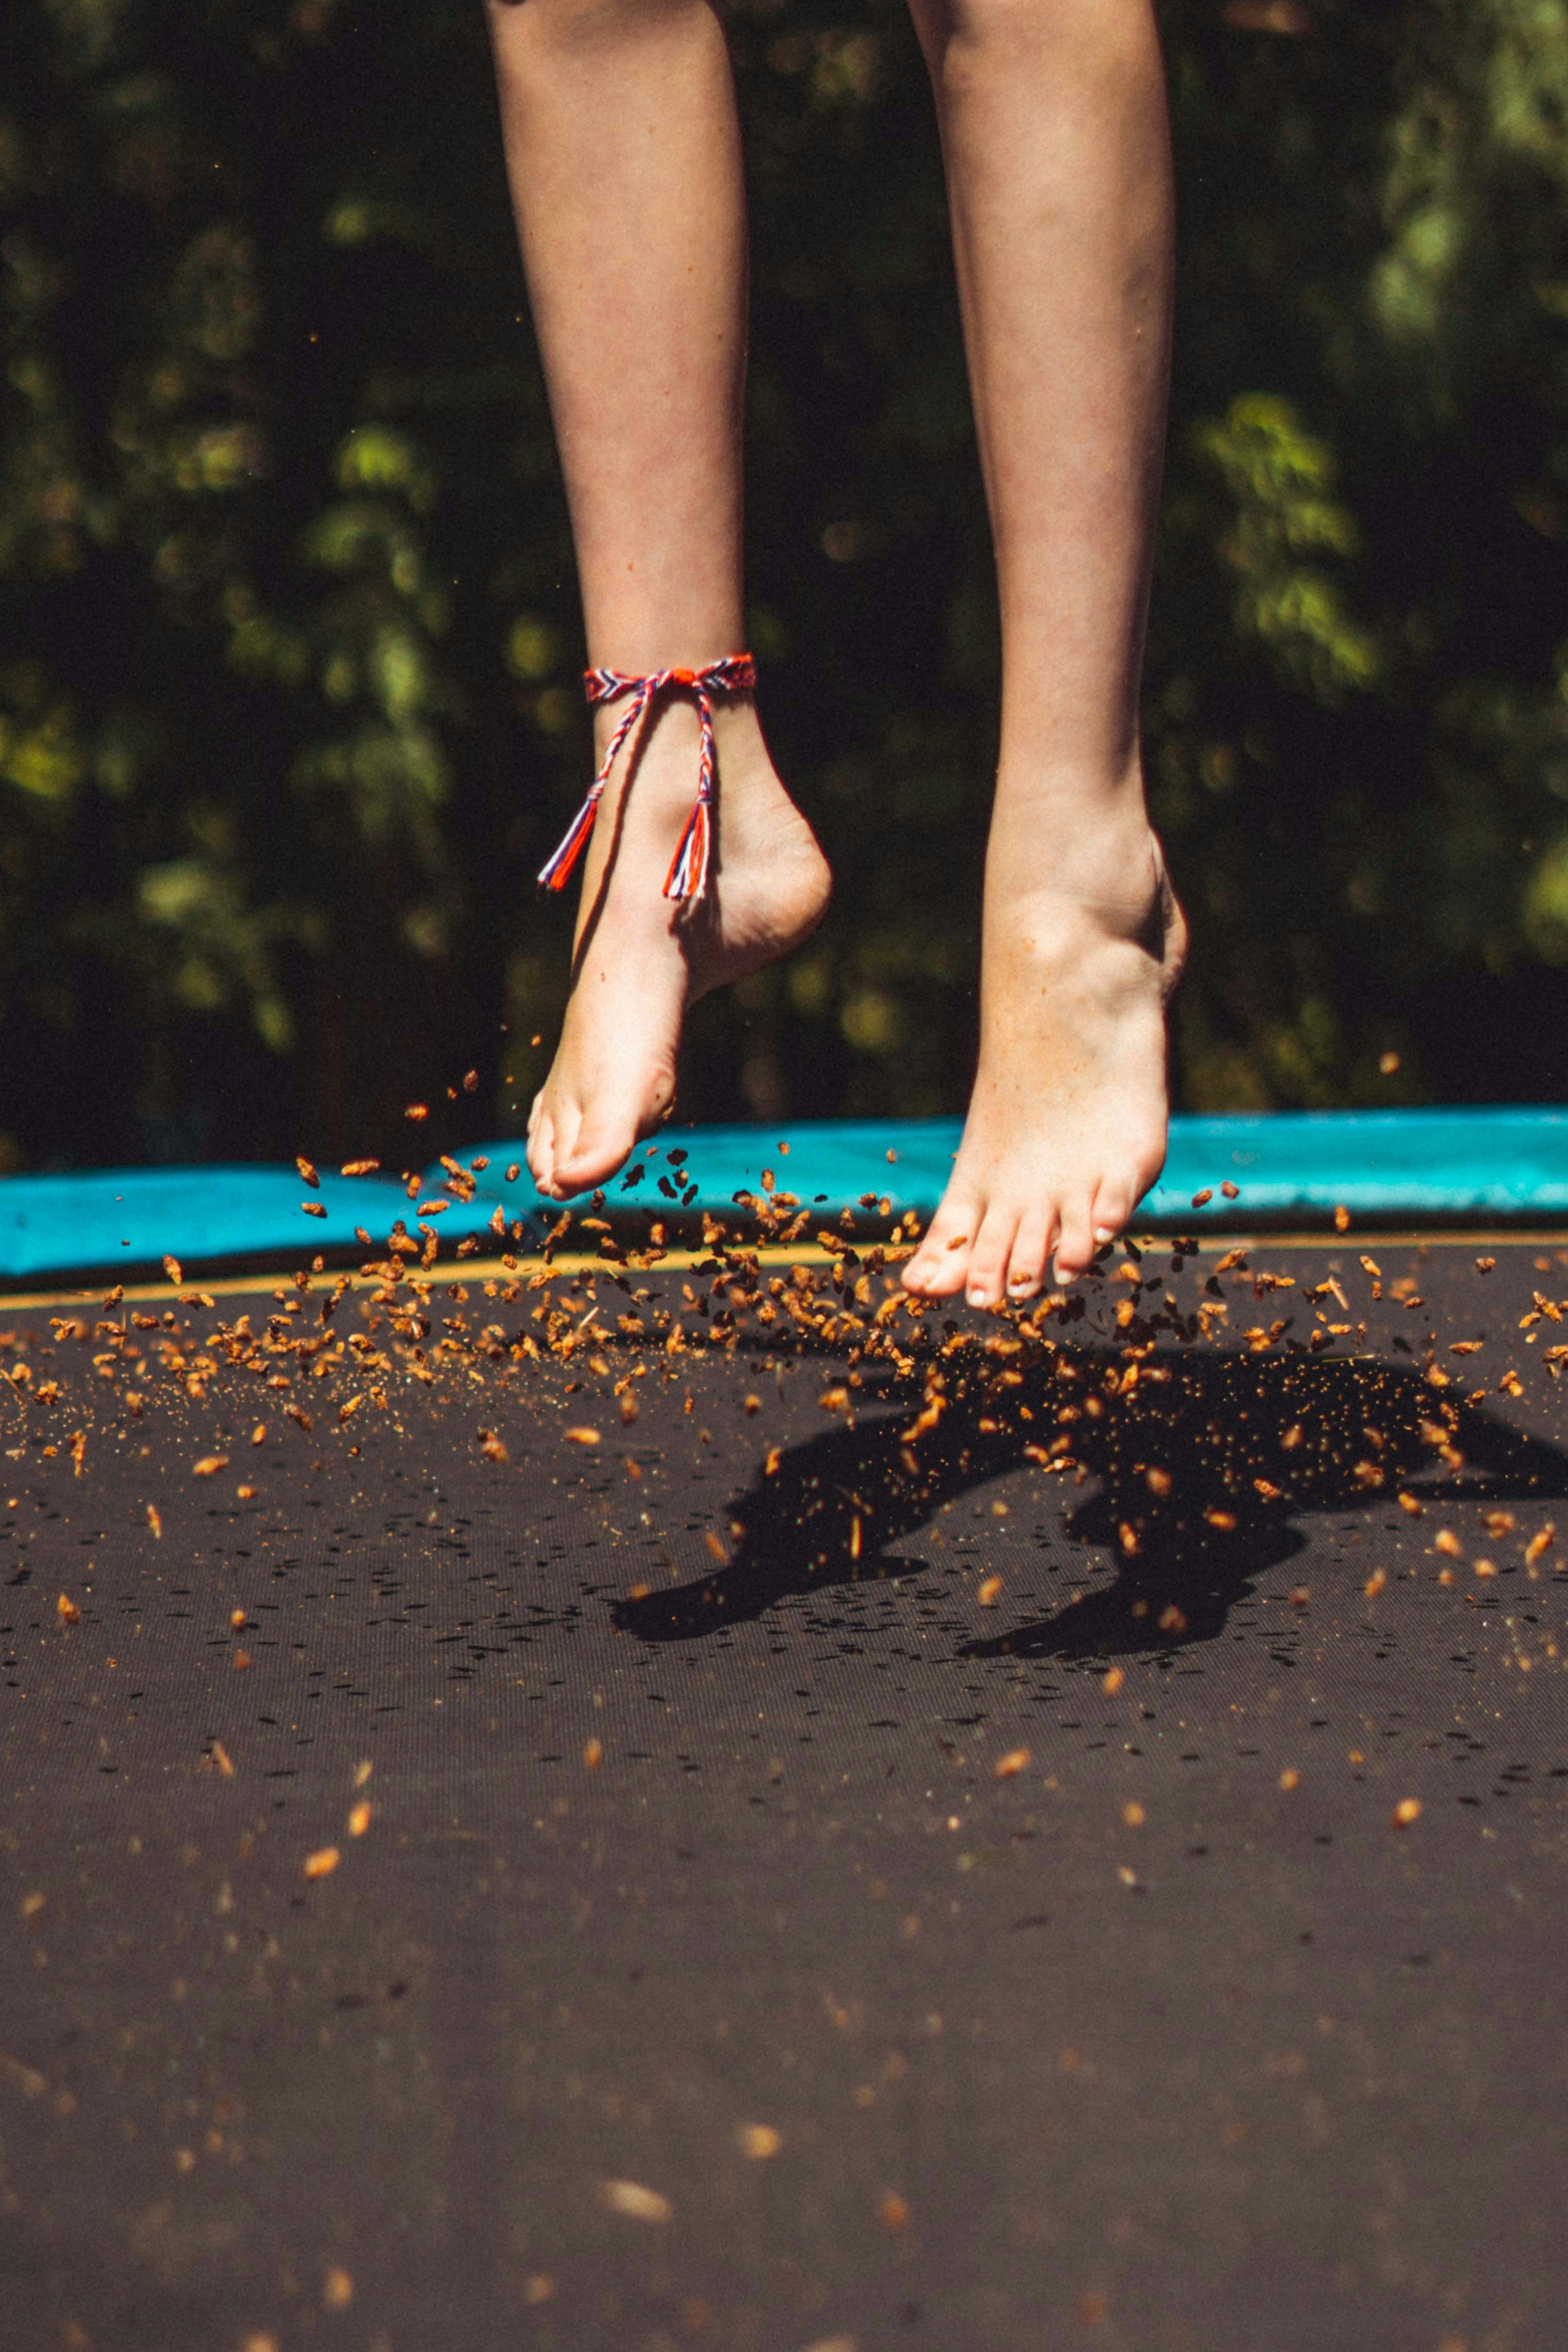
635,2201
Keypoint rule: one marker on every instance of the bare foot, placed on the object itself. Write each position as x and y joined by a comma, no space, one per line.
1066,1129
640,958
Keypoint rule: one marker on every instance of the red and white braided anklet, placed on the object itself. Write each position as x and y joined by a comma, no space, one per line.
736,674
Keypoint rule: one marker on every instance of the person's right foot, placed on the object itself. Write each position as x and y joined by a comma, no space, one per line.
1066,1128
640,958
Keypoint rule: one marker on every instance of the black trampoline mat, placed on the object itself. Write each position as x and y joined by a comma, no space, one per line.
697,1980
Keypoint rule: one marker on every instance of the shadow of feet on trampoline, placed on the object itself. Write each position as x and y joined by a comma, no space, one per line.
1249,1445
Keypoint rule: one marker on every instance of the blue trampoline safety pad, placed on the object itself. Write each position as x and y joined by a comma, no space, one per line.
1507,1163
1510,1164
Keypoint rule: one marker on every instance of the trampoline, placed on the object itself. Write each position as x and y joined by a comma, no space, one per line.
659,1801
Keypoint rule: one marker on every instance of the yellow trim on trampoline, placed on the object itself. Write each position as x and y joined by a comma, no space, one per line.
679,1261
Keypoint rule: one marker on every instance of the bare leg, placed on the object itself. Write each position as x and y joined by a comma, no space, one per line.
1053,128
622,149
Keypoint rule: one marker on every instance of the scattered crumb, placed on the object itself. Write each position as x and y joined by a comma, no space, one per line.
636,2202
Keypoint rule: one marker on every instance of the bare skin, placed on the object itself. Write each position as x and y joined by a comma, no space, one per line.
1052,119
640,961
1054,130
624,151
1066,1128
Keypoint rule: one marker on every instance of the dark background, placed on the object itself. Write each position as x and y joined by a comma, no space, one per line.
289,711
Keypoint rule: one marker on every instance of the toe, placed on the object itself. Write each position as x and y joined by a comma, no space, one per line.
939,1266
1075,1242
540,1153
984,1286
561,1124
598,1148
1031,1243
1113,1205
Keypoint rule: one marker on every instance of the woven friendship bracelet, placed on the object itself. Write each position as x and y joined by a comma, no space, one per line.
688,877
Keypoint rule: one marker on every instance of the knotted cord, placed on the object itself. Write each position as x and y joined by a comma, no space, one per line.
736,674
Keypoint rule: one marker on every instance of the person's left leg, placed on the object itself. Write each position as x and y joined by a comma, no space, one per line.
1053,131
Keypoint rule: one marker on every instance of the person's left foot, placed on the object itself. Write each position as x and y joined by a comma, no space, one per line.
1066,1129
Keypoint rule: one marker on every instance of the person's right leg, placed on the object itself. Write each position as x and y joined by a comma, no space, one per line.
1054,131
623,153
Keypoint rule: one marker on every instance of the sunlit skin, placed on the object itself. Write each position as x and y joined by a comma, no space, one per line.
634,240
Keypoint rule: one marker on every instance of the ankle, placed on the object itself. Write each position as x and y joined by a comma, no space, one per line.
1062,839
1098,792
743,754
551,41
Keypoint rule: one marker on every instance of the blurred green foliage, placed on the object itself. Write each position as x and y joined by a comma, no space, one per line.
289,709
